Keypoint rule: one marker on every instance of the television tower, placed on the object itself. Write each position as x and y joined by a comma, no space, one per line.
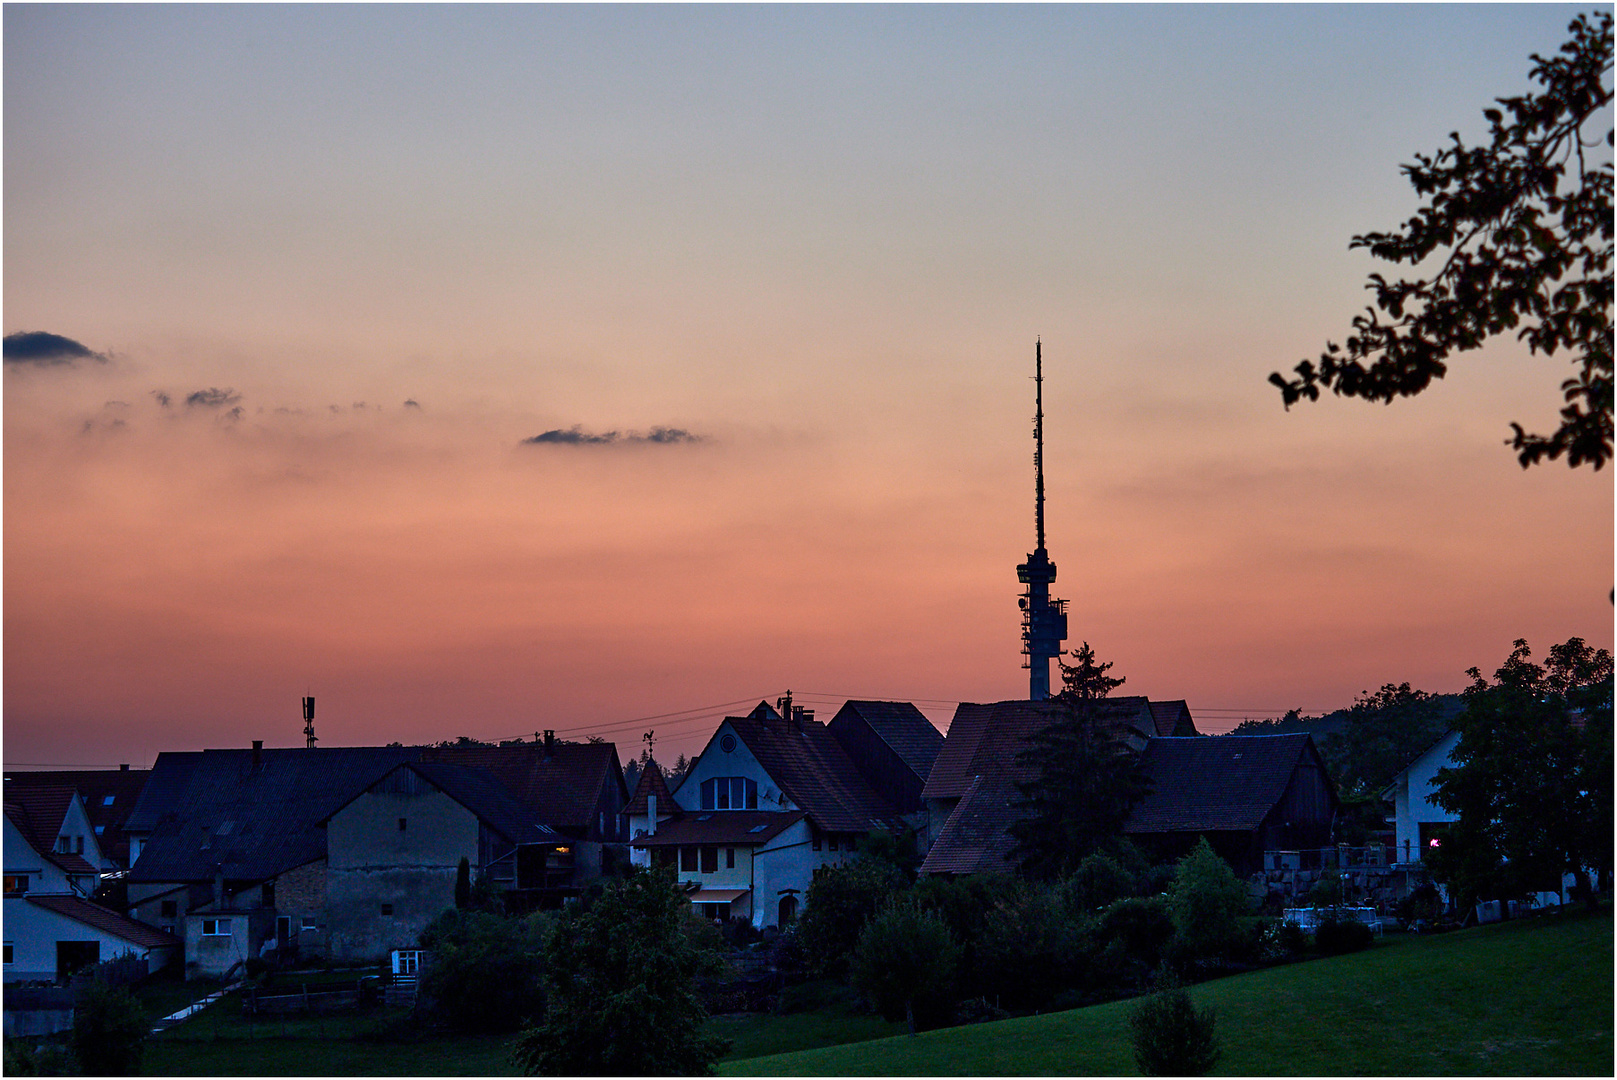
1044,621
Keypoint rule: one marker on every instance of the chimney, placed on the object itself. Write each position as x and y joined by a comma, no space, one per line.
123,768
651,812
258,753
798,715
550,745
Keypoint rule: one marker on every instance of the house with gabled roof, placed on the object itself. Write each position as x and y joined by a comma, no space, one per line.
394,849
109,797
774,798
52,864
892,745
1246,794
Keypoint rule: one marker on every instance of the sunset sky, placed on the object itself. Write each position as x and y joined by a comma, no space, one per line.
605,369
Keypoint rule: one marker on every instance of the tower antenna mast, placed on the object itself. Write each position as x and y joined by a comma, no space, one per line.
1044,621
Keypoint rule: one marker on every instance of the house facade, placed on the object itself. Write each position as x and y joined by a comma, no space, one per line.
52,865
774,799
1417,819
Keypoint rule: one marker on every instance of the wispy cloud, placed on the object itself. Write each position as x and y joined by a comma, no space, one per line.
212,398
46,350
577,436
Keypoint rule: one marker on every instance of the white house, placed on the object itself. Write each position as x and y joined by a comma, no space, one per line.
52,865
1416,818
772,801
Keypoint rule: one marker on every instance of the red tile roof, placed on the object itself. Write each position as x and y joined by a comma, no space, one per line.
815,773
105,919
651,782
741,828
39,813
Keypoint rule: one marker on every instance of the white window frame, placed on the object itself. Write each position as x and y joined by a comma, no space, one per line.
221,927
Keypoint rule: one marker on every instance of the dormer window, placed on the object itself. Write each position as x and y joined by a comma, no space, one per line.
730,793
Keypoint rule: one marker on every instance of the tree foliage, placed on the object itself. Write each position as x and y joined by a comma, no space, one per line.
1086,780
109,1030
1381,734
486,970
905,963
1207,902
1523,228
1532,780
840,901
621,987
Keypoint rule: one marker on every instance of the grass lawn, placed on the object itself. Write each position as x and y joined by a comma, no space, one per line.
1532,997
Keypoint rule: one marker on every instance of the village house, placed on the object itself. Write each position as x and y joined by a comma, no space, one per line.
775,798
52,866
109,796
234,847
1245,794
1416,818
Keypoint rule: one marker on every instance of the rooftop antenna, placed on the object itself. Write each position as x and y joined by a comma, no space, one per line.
308,723
1044,621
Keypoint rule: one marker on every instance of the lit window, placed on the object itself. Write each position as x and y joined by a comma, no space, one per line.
16,884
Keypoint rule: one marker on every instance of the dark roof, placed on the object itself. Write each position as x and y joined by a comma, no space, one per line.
219,810
976,837
984,741
815,773
561,784
105,919
1173,719
482,795
1218,784
741,828
121,786
902,727
38,814
651,782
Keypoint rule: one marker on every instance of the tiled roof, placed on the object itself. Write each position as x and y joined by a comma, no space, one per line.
105,919
742,828
651,782
217,810
563,786
1172,718
903,728
1218,783
480,793
38,814
815,773
97,786
984,741
976,837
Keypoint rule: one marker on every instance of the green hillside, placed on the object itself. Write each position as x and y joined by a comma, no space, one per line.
1532,997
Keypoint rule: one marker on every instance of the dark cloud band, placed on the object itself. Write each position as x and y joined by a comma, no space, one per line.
46,350
577,436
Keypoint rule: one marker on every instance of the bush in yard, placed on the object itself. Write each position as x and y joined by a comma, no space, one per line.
25,1058
1098,881
484,974
838,904
1207,902
1030,950
905,965
621,971
1171,1036
109,1030
963,904
1333,937
1143,925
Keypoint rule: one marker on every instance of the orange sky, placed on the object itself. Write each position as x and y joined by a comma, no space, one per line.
829,270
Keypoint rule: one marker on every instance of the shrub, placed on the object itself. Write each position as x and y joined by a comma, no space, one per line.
1098,881
1333,937
1143,925
1207,902
1276,940
485,970
109,1030
621,969
1171,1037
905,965
1030,950
837,906
24,1057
